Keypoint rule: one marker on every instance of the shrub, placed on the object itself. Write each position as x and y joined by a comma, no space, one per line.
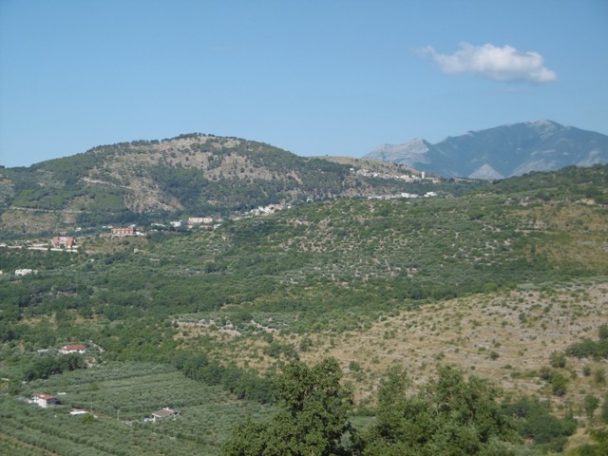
603,332
557,360
600,375
558,383
590,403
604,410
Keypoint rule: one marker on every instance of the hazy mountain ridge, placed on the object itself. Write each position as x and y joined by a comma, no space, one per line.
503,151
408,153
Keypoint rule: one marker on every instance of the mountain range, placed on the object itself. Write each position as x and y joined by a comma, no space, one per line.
133,182
503,151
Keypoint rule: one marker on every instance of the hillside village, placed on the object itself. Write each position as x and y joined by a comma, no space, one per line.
70,243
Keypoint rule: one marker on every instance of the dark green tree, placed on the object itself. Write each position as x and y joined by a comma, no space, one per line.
451,416
313,417
590,403
534,421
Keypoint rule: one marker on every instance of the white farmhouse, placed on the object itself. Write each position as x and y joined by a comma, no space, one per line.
163,413
24,272
44,400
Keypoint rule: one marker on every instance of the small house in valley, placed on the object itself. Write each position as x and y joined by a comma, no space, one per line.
164,413
67,242
24,272
192,221
44,400
73,348
123,231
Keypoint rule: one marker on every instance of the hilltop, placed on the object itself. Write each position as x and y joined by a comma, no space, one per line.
503,151
189,174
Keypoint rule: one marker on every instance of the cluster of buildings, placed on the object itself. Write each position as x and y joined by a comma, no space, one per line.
45,400
407,177
403,195
268,210
63,243
56,243
132,230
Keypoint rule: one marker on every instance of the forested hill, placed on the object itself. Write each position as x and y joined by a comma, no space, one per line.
195,174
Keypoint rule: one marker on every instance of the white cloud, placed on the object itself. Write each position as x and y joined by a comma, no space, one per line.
499,63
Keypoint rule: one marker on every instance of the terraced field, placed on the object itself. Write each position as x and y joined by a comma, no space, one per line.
120,396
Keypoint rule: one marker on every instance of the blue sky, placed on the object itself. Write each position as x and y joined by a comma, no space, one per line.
313,77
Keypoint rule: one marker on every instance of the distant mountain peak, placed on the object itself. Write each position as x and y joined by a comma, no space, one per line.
406,153
544,126
412,144
502,151
543,123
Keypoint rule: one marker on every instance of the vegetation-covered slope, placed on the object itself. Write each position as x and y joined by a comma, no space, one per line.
191,174
350,277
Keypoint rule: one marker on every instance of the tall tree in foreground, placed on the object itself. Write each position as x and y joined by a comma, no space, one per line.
451,416
313,417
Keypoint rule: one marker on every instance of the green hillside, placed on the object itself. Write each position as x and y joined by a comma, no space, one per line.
500,269
190,174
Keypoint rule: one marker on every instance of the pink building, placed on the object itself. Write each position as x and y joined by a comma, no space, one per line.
123,232
67,242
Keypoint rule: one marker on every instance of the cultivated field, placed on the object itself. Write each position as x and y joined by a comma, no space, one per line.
120,396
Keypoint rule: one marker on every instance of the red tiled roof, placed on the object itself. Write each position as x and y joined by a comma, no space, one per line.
44,396
75,347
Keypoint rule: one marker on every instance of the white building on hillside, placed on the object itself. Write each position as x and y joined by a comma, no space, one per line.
44,400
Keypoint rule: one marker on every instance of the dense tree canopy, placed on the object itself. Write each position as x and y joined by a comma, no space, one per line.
450,416
313,420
